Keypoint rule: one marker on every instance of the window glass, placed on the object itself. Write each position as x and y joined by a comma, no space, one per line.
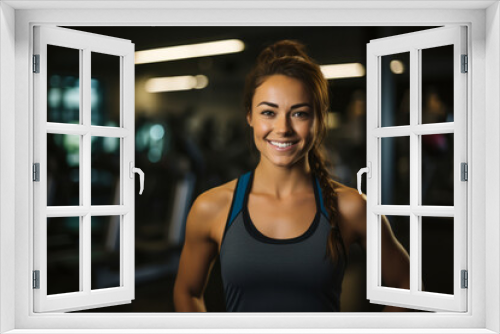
395,170
437,169
437,84
400,226
63,169
105,89
105,234
63,255
395,89
105,172
63,84
437,254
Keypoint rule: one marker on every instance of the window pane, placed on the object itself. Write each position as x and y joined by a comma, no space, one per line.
400,226
437,169
437,84
105,91
63,255
105,171
63,169
395,170
63,84
437,254
105,252
395,89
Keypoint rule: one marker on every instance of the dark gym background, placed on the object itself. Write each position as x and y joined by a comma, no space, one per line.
190,141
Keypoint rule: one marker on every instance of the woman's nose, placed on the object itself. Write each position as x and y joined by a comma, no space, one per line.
283,125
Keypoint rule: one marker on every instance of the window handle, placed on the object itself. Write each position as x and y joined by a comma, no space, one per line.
368,171
141,175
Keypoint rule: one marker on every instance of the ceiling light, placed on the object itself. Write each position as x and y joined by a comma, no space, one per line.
170,84
397,66
189,51
340,71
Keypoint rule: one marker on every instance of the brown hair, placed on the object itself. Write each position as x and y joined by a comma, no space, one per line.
289,58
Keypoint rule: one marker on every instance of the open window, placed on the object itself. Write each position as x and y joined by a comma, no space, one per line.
74,145
98,140
17,18
431,145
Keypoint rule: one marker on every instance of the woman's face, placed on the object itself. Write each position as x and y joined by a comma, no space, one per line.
282,119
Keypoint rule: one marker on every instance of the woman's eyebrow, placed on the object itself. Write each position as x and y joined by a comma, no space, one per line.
299,105
269,104
274,105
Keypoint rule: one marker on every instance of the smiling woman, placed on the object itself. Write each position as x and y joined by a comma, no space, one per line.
200,144
282,120
278,228
482,242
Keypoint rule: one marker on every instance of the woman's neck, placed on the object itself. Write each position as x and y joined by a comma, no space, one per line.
280,181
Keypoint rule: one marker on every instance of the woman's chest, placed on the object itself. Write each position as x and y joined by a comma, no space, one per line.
249,259
282,219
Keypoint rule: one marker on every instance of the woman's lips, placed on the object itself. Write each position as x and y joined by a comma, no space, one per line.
282,145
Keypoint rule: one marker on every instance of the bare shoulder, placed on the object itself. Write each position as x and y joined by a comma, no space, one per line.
213,200
210,209
352,210
351,202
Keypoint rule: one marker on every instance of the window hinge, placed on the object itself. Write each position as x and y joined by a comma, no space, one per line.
465,279
36,172
465,64
464,171
36,63
36,279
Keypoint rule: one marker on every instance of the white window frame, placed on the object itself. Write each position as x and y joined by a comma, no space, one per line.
414,44
16,22
86,44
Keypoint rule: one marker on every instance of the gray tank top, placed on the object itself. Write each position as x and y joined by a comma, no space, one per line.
262,274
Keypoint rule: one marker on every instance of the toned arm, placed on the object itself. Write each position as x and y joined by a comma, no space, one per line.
200,250
395,259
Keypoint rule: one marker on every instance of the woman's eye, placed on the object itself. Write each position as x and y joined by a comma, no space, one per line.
267,113
302,114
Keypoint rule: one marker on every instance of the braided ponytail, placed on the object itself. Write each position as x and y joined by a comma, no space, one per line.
318,164
290,58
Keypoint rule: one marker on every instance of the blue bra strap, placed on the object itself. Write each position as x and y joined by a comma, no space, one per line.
321,202
239,197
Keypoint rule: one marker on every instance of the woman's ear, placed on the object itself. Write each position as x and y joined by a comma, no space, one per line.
249,118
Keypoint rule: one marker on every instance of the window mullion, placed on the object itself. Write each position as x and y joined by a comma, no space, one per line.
460,155
373,157
108,210
104,131
406,210
420,129
40,155
415,246
127,155
80,131
85,274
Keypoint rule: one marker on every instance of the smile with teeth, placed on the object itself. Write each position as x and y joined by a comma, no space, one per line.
281,144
